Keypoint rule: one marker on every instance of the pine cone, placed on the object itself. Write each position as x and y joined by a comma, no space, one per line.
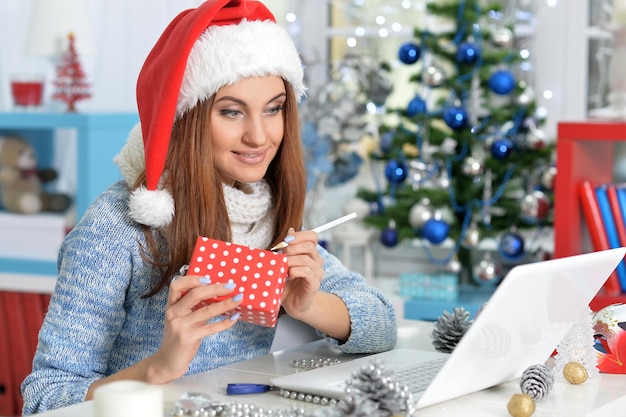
370,392
450,328
536,381
328,411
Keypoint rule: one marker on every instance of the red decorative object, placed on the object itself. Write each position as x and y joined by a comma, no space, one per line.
70,83
258,274
584,153
27,93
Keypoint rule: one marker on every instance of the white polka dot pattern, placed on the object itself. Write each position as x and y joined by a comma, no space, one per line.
259,275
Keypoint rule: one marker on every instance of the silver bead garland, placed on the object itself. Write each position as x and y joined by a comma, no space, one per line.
312,363
310,398
201,405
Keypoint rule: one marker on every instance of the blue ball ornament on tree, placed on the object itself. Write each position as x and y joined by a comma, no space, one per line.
468,53
455,117
501,148
501,82
409,53
396,171
389,237
386,141
511,245
435,231
416,106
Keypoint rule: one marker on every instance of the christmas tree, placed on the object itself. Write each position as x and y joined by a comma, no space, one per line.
465,159
70,83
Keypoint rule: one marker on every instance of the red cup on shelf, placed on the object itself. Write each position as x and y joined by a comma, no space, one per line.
27,91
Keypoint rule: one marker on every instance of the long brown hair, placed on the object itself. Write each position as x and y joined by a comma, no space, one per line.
200,209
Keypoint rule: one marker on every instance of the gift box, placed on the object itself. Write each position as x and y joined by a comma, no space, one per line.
436,286
259,274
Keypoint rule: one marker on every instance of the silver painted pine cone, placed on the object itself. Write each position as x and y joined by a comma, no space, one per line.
536,381
450,328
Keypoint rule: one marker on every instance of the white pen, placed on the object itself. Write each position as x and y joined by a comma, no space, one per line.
320,229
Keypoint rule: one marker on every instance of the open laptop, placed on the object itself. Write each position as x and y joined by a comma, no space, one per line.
521,324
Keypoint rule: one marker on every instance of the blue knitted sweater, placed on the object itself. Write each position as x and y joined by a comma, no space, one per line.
97,323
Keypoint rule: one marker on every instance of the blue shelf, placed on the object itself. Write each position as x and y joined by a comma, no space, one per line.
471,298
28,266
100,137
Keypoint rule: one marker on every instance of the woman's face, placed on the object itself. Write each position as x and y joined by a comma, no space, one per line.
247,128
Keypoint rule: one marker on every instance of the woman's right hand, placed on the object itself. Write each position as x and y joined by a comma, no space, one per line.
184,328
187,323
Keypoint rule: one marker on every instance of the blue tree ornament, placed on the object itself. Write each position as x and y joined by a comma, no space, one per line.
396,171
376,208
501,148
468,53
409,53
386,141
435,231
455,117
416,106
511,245
501,82
389,237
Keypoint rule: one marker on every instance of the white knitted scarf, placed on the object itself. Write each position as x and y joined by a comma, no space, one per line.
250,213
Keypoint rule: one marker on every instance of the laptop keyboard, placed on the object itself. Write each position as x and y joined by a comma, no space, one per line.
418,377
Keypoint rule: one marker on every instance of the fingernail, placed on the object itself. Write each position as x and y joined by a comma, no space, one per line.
289,238
238,297
230,285
235,316
205,280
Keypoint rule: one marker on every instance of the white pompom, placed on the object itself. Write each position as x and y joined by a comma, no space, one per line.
152,208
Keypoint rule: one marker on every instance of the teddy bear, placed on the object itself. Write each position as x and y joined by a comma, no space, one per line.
22,182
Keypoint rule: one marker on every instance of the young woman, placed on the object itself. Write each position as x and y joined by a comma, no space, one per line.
217,153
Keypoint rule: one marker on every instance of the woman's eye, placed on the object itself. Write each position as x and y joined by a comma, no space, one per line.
230,113
275,110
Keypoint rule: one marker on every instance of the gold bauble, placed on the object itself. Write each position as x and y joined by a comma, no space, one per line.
575,373
521,405
410,150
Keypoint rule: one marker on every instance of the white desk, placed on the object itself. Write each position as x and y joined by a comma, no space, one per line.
599,397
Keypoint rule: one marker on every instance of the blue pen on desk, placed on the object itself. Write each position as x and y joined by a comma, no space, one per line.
248,388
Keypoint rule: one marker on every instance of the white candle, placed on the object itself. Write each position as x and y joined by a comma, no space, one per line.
128,399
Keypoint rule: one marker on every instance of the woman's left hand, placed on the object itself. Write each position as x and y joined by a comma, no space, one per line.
305,272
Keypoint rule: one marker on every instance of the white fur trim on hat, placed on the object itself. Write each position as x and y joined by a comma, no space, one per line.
152,208
131,159
224,55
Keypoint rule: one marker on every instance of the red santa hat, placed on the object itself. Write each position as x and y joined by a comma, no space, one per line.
202,50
